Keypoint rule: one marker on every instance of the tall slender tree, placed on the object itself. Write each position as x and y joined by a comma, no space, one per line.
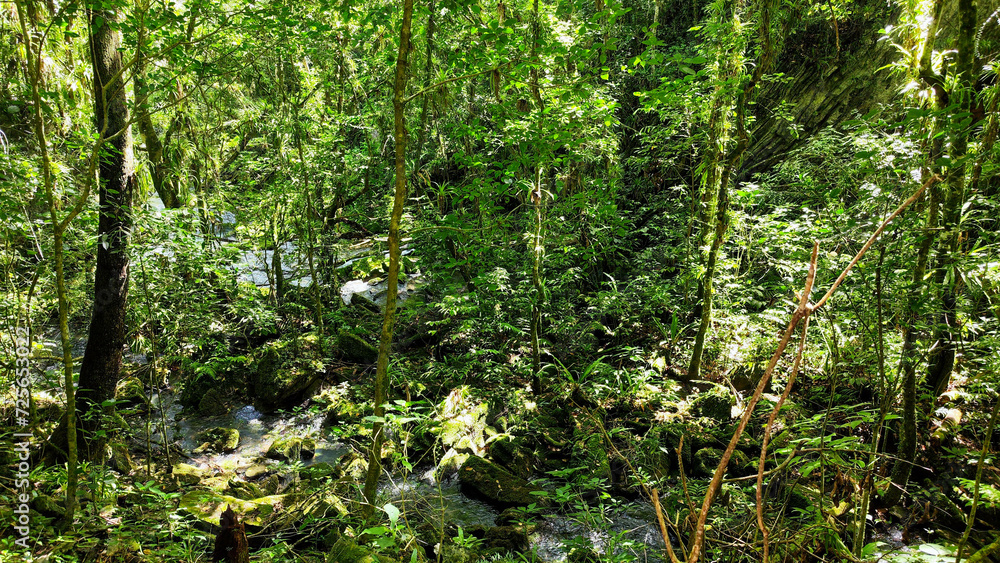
102,359
392,284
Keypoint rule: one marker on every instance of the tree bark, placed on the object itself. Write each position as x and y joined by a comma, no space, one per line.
102,359
389,321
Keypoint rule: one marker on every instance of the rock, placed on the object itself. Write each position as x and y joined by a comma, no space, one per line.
716,403
279,511
513,454
705,461
188,474
451,553
130,392
355,349
219,439
488,481
212,403
352,466
507,538
287,372
449,464
244,490
48,506
317,472
292,449
255,471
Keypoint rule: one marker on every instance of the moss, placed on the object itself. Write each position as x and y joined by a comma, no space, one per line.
490,482
291,449
287,371
706,460
218,440
187,474
354,348
716,404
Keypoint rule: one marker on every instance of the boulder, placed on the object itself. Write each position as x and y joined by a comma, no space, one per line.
219,439
287,372
292,449
187,474
355,348
488,481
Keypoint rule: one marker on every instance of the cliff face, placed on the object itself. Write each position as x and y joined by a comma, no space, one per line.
822,85
827,72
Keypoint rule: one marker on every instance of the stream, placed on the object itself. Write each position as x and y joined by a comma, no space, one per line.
630,526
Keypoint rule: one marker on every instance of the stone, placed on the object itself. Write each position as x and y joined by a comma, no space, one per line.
483,479
288,371
507,538
292,449
716,404
187,474
355,349
218,439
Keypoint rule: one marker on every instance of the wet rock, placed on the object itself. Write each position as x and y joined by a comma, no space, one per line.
480,478
513,454
287,372
355,349
219,440
292,449
187,474
507,538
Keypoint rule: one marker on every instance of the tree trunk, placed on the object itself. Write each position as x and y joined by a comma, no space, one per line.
164,184
388,323
941,360
101,367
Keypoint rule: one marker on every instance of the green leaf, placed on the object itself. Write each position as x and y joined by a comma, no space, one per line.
392,512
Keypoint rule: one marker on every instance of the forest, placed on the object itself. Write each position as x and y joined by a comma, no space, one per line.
518,281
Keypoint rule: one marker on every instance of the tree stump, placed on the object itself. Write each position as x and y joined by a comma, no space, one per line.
231,543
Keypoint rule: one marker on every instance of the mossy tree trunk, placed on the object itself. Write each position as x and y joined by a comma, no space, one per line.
389,320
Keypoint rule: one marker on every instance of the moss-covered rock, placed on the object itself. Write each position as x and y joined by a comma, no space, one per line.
291,449
212,403
278,511
355,348
345,550
513,453
705,461
219,439
507,538
288,371
244,490
450,463
716,403
186,474
483,479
